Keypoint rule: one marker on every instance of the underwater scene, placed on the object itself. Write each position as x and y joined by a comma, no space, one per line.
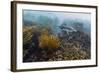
56,36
